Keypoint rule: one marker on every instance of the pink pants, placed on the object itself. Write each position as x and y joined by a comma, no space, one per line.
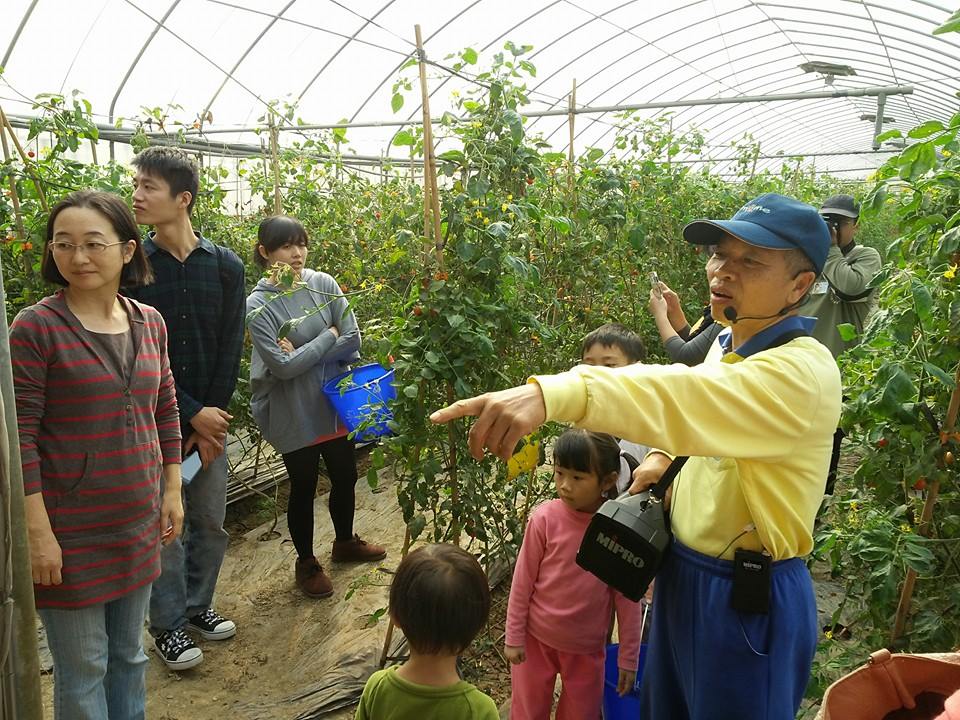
532,683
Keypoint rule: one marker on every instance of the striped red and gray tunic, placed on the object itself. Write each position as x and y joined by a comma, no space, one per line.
95,444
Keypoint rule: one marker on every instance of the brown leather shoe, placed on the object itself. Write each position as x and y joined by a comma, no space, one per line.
357,550
312,580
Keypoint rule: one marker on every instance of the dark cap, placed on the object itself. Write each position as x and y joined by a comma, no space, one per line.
843,205
770,221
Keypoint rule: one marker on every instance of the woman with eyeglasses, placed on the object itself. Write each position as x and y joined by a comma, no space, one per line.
100,448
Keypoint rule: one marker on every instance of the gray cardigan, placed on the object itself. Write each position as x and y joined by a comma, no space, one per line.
287,401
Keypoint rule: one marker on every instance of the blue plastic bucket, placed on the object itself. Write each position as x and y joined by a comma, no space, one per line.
361,397
614,706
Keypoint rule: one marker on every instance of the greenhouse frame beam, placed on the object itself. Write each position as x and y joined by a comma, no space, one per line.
16,35
587,110
110,133
230,74
136,61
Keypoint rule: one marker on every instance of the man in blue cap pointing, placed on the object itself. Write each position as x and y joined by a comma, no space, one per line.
734,630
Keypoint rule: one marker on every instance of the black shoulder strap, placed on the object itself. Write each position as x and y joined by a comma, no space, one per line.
632,462
659,490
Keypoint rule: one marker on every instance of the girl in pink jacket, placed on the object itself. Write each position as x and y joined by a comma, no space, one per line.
558,614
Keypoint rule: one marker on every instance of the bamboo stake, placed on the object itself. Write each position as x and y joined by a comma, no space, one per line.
27,163
14,196
906,594
274,154
431,196
385,653
572,107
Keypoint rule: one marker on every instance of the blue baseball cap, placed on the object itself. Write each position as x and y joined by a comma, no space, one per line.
770,221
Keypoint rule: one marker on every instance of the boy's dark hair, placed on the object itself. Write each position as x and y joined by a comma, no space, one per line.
136,272
616,335
275,232
174,167
587,451
440,599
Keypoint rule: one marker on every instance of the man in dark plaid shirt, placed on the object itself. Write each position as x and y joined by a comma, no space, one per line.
199,290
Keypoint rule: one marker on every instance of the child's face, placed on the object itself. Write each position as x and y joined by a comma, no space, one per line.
605,355
582,491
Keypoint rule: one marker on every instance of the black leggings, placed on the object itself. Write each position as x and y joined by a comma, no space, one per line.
303,466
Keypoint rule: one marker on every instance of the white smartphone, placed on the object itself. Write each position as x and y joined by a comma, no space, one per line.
190,466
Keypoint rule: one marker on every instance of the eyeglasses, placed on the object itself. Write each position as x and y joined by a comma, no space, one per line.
89,248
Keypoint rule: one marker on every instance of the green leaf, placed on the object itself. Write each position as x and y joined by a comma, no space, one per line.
499,230
926,129
898,389
939,374
372,479
635,237
847,332
411,391
396,102
888,135
951,25
416,525
926,159
431,357
402,138
560,224
922,299
455,320
917,555
477,186
515,123
340,133
469,56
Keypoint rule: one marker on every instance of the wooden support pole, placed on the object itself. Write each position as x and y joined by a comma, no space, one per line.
275,156
14,195
571,117
27,163
933,490
431,195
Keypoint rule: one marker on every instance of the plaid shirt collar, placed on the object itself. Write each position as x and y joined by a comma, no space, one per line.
150,244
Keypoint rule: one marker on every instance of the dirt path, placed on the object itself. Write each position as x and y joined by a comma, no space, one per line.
285,642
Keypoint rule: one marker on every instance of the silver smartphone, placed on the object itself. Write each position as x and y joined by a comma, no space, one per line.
655,284
190,466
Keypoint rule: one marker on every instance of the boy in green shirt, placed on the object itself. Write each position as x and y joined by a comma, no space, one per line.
440,600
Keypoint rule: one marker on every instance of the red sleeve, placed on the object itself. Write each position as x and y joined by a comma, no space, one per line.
167,416
524,578
29,363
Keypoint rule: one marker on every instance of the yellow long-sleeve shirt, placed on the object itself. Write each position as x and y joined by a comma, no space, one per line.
758,432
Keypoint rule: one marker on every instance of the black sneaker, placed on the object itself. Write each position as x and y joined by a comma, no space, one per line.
212,625
177,649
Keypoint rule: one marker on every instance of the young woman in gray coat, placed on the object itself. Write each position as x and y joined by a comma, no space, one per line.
287,376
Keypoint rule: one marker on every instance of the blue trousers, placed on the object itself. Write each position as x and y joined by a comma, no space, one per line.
190,565
707,661
98,659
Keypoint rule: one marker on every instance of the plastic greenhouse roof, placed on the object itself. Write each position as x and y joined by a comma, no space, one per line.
339,59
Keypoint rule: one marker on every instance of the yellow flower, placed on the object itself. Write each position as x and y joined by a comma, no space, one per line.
904,528
486,221
478,214
509,197
503,208
476,124
946,153
951,272
828,634
853,505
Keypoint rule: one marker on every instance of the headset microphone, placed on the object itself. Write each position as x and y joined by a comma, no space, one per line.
730,313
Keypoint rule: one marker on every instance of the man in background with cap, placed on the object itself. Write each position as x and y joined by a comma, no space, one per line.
756,421
840,295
